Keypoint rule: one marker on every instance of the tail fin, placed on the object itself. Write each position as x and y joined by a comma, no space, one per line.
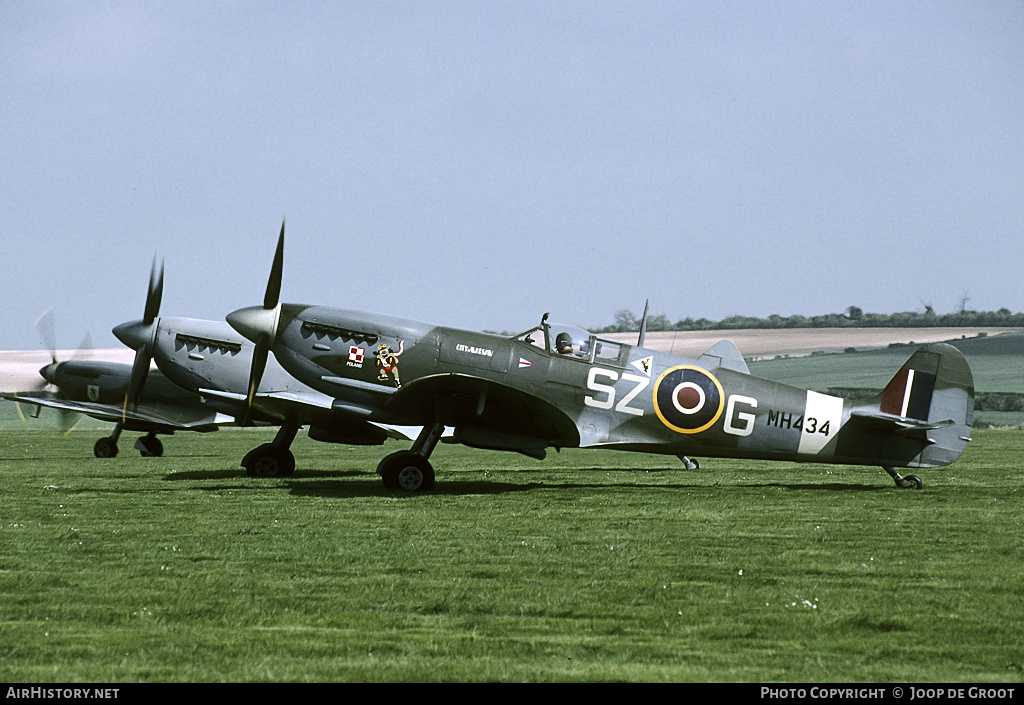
930,403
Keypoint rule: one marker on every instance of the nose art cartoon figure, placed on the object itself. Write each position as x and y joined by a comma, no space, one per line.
387,360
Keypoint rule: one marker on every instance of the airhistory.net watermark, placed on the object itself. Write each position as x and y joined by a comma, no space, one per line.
39,693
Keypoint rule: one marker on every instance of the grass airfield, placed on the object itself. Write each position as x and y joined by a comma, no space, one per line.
588,566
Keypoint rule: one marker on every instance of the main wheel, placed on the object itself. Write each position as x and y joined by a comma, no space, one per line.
406,471
269,461
105,448
149,447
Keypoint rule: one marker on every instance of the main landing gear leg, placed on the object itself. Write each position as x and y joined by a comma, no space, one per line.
410,470
909,482
273,459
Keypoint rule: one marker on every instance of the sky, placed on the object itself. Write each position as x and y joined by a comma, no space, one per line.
477,164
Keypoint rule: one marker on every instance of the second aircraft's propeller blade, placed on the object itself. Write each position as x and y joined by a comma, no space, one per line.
47,326
50,374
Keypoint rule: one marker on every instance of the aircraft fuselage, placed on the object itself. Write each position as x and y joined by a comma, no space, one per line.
599,393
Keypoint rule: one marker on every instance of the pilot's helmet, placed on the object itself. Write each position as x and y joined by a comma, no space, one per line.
563,343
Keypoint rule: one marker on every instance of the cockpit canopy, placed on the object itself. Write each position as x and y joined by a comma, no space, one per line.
570,341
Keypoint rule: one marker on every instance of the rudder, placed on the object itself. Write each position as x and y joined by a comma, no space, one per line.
933,393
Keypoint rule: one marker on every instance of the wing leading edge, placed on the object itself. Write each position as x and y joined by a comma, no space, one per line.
150,417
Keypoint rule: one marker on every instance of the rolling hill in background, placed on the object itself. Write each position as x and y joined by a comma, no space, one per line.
997,363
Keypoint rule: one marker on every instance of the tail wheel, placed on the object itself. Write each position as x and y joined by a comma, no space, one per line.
912,482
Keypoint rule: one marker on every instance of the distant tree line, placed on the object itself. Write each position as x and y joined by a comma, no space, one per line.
853,317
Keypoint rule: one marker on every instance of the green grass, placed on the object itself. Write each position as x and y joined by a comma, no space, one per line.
589,566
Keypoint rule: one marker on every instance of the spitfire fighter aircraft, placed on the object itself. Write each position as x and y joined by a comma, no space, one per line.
557,386
211,363
98,389
203,368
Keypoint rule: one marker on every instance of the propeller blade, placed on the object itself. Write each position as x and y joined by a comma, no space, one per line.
47,327
69,427
259,324
69,421
142,336
155,295
140,371
51,373
259,366
270,299
85,348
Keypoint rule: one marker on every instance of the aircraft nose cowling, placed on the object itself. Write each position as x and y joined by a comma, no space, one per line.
255,321
134,334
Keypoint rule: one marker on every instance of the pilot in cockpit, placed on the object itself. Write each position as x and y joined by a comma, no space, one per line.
572,342
563,344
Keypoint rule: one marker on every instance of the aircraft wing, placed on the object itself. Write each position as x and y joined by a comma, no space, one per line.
312,406
163,418
486,414
272,404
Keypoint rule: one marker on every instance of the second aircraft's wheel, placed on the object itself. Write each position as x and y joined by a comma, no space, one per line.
269,461
406,471
105,448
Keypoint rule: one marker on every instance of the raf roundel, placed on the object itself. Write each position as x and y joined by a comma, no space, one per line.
688,399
